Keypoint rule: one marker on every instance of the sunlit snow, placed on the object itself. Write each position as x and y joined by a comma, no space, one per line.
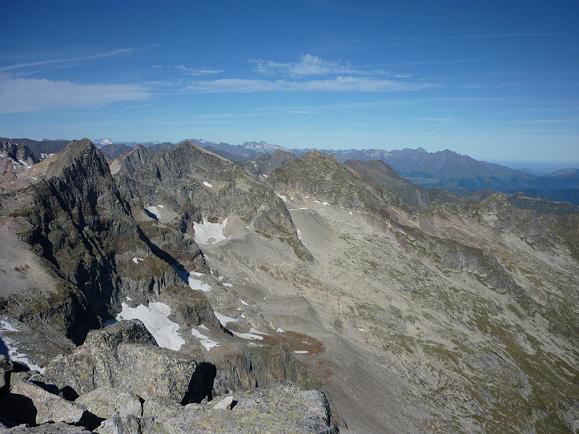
155,317
224,319
249,336
197,284
13,353
154,209
207,184
206,342
209,233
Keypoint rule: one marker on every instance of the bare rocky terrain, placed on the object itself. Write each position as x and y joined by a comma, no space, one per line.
297,295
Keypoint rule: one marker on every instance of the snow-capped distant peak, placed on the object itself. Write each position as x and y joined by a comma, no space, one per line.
261,146
103,142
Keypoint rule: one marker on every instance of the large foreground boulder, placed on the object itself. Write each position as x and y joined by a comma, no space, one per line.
283,408
106,402
124,356
30,403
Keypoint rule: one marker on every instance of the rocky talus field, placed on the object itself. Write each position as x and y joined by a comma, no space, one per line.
176,291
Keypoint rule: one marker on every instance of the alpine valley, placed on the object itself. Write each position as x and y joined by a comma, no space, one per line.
201,287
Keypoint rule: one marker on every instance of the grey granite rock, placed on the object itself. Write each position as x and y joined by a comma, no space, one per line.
124,356
47,428
49,407
280,409
105,402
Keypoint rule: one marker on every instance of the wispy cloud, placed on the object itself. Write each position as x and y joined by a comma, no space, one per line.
310,65
28,95
194,72
337,84
45,62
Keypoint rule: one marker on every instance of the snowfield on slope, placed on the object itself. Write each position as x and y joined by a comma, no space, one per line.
209,233
155,317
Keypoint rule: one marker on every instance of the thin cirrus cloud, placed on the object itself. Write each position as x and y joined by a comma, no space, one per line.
194,72
18,95
310,74
337,84
102,55
310,65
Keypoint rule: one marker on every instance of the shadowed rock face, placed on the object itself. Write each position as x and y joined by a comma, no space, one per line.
17,152
197,185
76,219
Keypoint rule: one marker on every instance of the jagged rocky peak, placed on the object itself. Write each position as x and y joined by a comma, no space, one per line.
320,176
189,185
17,152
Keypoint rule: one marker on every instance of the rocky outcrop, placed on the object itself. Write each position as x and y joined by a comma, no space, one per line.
256,367
321,177
127,384
17,152
125,356
282,408
76,219
197,184
46,406
48,428
106,402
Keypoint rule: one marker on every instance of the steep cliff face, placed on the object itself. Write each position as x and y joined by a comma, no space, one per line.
17,152
193,185
75,218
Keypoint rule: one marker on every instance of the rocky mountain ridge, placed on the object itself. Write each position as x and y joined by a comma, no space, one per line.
232,290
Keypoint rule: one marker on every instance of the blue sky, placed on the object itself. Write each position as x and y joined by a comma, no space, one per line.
498,80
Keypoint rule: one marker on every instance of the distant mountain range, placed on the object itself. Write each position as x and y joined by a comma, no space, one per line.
446,169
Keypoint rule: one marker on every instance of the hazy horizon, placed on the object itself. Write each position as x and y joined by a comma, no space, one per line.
496,81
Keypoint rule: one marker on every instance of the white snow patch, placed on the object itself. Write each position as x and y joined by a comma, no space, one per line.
207,184
206,342
282,197
252,330
129,298
137,260
155,317
224,319
154,209
279,330
13,353
301,352
196,273
16,356
229,285
249,336
209,233
325,203
6,326
297,209
243,302
299,235
350,212
196,284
